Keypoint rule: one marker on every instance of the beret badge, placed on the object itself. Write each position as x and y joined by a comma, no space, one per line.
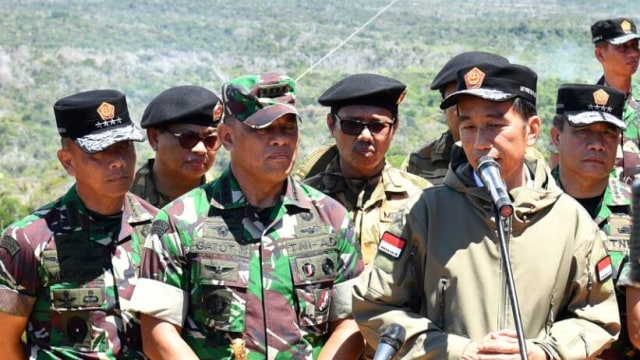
600,97
473,78
106,111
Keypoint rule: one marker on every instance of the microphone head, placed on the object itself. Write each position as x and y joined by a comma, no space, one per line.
485,161
393,336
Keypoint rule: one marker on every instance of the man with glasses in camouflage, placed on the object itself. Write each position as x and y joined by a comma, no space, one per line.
181,128
363,119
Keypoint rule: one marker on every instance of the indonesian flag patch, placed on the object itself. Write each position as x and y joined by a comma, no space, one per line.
391,245
604,269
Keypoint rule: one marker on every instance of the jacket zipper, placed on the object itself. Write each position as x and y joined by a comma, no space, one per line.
443,284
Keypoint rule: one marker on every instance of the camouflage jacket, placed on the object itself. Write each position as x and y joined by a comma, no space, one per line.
145,187
275,278
373,208
73,275
432,160
613,217
628,158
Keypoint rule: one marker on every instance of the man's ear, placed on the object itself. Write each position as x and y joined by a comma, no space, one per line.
331,124
555,136
597,51
225,135
152,137
534,124
66,160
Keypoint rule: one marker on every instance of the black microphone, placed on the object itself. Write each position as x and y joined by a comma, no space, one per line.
391,340
489,171
634,239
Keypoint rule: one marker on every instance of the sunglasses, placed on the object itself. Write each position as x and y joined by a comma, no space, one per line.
355,127
188,139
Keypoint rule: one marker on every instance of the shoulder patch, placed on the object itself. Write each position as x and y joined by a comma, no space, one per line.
159,227
604,269
391,244
10,244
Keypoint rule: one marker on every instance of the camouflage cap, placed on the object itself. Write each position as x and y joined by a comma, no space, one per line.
259,100
95,119
615,31
585,104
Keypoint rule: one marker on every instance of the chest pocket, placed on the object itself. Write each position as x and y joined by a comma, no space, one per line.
75,275
314,265
619,232
219,274
617,243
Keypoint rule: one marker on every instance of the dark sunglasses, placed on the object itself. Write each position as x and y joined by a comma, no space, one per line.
355,127
188,139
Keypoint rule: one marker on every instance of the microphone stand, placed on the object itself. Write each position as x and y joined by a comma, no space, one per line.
504,227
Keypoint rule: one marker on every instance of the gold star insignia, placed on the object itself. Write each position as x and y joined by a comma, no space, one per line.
625,25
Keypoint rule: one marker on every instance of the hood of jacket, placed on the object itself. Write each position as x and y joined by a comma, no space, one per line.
529,203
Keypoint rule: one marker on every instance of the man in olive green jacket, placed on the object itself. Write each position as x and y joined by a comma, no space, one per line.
438,270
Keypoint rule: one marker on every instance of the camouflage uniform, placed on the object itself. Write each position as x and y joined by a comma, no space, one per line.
628,161
375,206
431,161
145,186
275,278
613,217
74,273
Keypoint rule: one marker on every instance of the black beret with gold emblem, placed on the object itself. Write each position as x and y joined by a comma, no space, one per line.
95,119
585,104
364,89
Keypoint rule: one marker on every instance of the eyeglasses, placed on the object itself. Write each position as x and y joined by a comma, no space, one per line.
188,140
354,127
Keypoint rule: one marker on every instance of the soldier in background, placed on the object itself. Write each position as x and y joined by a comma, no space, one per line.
181,129
586,131
432,160
363,119
254,263
616,48
67,271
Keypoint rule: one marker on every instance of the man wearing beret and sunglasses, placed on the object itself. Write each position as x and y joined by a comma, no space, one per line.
182,130
363,120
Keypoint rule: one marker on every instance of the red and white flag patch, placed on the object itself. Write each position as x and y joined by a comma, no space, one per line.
604,269
391,245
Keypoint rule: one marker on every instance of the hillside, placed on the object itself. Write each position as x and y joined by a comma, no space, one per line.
49,49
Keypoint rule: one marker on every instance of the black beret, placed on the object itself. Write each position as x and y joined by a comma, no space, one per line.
95,119
585,104
448,72
186,104
494,82
364,89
